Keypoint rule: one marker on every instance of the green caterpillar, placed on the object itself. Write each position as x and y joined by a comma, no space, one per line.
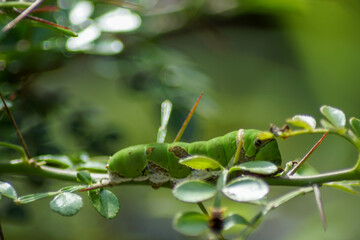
149,159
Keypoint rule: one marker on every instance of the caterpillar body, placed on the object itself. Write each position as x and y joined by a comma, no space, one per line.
147,160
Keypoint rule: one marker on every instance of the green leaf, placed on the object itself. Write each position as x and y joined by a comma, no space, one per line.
191,223
66,204
303,121
193,191
246,189
355,125
326,124
98,167
60,161
335,116
34,197
7,190
259,167
234,219
342,186
201,162
84,177
105,202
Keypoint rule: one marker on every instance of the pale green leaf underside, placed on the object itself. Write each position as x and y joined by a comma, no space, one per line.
335,116
166,107
193,191
259,167
7,190
246,189
66,204
303,121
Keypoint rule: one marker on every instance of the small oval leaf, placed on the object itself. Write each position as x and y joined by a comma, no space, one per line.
193,191
191,223
201,162
246,189
105,202
233,220
355,125
7,190
66,204
303,121
335,116
259,167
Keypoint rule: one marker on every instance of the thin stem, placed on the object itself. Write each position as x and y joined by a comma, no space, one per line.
347,174
322,130
16,148
186,122
255,221
23,143
319,204
19,167
292,171
203,208
21,16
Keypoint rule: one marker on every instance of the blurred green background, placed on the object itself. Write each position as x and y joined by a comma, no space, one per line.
258,62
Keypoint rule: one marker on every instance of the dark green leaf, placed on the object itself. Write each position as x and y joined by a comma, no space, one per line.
303,121
191,223
84,177
246,189
7,190
355,125
200,162
60,161
193,191
259,167
335,116
66,204
105,202
234,219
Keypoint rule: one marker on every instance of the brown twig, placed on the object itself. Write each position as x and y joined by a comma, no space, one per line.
292,171
23,143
